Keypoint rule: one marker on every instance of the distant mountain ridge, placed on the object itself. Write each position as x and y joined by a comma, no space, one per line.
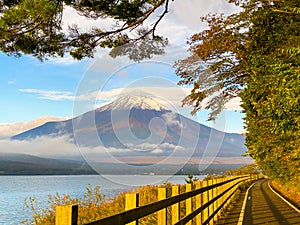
142,125
22,164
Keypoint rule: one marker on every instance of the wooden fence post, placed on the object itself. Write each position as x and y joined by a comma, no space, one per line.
162,214
66,215
210,197
227,194
175,207
205,212
220,191
131,202
215,193
224,186
188,202
198,203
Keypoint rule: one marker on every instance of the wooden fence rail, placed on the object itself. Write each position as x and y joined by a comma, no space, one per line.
207,199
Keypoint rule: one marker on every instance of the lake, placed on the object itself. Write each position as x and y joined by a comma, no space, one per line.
14,190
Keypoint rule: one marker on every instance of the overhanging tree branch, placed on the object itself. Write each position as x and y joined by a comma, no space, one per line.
132,18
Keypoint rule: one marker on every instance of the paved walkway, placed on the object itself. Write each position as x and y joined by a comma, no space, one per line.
263,206
233,215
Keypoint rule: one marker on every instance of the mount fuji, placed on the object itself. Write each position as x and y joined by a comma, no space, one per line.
140,125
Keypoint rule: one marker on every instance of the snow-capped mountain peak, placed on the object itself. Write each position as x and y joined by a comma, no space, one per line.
133,101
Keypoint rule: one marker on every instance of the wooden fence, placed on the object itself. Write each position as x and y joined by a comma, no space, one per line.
204,201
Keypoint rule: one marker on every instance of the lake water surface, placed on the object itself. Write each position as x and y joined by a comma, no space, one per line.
14,189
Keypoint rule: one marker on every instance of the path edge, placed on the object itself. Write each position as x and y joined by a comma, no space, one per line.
284,199
242,213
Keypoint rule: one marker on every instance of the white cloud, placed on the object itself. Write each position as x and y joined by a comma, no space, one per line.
172,147
39,146
157,151
53,146
11,129
104,64
50,94
62,146
171,120
11,82
101,151
234,104
169,27
159,148
71,16
66,60
243,132
188,12
183,19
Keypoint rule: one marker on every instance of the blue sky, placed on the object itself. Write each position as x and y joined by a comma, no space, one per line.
31,89
26,72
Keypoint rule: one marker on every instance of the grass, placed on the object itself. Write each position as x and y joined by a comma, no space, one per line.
92,206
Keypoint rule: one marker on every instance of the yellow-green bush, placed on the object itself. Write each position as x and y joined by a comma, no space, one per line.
92,205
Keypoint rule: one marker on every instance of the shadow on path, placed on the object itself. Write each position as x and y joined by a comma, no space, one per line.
263,207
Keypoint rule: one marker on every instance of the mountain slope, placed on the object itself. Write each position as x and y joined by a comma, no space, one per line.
143,126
